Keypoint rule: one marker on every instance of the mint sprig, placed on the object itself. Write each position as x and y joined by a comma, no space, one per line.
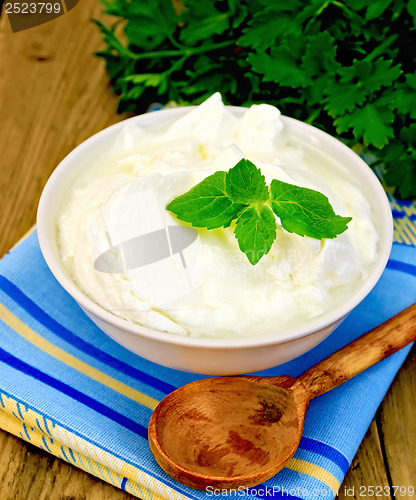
241,194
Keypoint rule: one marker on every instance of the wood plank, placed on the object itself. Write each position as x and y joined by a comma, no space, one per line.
367,468
397,424
390,441
28,473
53,95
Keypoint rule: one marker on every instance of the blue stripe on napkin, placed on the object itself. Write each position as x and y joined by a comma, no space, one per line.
71,390
42,317
326,451
66,389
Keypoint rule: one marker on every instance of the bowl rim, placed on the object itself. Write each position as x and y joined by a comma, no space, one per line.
160,336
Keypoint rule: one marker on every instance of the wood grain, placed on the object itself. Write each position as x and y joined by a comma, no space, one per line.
30,473
390,440
365,471
53,95
396,423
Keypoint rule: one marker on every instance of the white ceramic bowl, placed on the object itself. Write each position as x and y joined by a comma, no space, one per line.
211,356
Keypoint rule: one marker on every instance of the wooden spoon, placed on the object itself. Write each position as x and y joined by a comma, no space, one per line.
226,432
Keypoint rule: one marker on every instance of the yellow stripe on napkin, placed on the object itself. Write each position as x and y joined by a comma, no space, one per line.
315,471
34,338
80,452
35,437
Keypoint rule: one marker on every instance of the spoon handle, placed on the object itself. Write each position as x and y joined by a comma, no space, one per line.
362,353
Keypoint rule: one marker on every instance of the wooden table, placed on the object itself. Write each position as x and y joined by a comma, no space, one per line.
53,95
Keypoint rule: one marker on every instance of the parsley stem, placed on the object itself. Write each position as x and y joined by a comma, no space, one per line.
175,43
175,66
343,7
313,116
187,52
380,49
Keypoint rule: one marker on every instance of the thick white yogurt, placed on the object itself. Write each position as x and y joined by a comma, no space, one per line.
208,287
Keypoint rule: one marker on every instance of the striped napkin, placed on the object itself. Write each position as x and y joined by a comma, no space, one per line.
71,390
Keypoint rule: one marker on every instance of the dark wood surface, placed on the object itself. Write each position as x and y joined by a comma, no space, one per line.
53,95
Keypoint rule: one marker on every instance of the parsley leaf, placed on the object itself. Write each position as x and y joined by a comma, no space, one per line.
342,97
359,81
407,103
305,211
255,230
199,24
207,204
333,64
312,60
375,9
280,66
266,25
371,122
246,184
411,7
371,75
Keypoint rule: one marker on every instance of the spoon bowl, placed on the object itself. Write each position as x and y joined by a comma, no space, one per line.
227,432
229,428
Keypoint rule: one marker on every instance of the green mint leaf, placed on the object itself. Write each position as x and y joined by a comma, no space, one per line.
305,212
245,183
207,204
255,230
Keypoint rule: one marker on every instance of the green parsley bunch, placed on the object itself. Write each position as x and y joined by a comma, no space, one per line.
347,67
